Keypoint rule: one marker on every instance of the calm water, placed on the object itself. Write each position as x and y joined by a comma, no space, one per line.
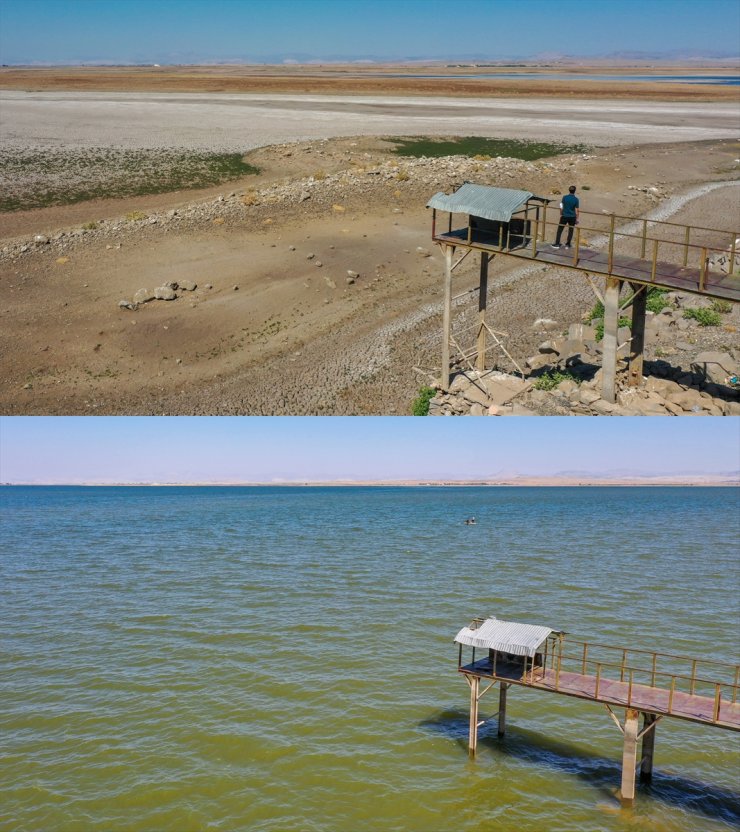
722,80
282,659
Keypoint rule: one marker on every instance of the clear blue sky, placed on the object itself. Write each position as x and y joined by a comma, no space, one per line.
145,449
162,31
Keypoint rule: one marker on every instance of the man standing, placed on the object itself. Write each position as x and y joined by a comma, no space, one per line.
569,213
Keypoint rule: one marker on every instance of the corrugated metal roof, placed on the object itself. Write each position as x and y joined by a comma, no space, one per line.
507,636
481,201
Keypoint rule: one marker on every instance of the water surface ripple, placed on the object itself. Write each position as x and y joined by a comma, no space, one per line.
281,658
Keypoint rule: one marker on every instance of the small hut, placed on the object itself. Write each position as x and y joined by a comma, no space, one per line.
499,217
512,651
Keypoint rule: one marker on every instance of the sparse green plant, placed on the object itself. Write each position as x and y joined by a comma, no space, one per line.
38,179
476,146
420,406
722,306
656,300
585,187
90,226
623,321
402,176
551,379
135,216
704,317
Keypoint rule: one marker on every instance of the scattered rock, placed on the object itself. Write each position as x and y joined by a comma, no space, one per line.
165,293
144,296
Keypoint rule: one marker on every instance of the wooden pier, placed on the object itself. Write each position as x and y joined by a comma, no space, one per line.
624,250
654,685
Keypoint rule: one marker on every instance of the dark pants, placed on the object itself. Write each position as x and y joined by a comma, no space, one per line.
571,223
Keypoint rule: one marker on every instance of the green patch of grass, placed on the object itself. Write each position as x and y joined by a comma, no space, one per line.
42,178
704,317
417,146
599,328
420,406
551,379
656,301
724,307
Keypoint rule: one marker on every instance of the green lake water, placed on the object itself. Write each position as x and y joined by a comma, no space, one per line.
282,658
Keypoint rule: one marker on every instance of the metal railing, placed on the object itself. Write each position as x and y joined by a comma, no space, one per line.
656,243
669,681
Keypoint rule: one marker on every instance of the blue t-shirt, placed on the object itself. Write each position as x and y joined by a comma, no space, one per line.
570,203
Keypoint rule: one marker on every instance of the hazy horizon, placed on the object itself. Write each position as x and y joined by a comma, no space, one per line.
171,450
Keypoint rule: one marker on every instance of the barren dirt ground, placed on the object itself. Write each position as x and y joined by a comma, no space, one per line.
277,333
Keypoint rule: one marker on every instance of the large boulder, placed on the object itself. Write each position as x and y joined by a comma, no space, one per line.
716,367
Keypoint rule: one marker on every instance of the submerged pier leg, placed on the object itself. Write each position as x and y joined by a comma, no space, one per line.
629,754
611,325
648,747
480,363
473,734
502,709
637,345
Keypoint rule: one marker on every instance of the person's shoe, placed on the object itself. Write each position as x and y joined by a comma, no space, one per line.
554,245
567,245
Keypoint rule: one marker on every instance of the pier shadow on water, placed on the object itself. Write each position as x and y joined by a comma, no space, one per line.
601,773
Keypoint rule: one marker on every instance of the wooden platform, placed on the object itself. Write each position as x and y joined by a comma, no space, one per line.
655,700
667,275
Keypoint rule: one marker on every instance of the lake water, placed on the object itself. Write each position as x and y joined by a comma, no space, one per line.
723,80
282,658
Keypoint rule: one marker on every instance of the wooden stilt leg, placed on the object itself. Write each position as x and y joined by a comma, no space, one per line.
473,737
609,343
637,346
629,754
446,314
648,748
502,709
482,302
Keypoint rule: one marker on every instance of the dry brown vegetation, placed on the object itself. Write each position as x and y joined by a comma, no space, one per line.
346,80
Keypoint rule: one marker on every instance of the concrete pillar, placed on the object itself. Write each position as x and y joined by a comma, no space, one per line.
609,343
629,755
473,732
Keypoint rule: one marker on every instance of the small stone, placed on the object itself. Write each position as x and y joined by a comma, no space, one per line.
41,239
188,285
310,256
209,286
165,293
349,280
143,296
352,274
236,288
125,304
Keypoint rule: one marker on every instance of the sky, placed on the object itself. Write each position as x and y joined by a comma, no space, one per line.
267,449
202,31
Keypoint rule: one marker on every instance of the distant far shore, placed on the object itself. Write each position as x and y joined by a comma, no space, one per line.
701,481
597,80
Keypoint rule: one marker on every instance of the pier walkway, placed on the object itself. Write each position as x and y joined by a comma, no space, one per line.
656,685
646,254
